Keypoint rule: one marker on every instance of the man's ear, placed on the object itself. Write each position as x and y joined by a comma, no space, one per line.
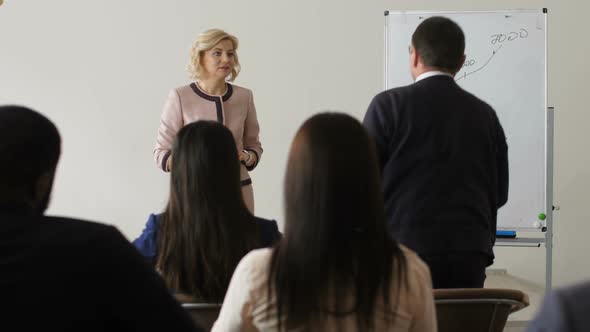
461,62
43,189
415,57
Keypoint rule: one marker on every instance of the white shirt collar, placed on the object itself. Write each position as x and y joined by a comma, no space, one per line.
432,73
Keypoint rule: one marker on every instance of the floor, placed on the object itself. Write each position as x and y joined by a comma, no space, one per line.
517,322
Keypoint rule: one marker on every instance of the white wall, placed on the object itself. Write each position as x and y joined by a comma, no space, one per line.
101,71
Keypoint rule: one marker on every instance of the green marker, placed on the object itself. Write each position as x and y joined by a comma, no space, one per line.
542,216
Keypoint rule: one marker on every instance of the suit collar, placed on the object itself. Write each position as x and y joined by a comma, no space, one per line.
209,97
432,73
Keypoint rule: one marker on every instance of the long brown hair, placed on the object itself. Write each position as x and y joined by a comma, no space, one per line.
206,228
335,235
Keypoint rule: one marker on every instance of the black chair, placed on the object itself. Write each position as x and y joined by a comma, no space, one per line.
204,314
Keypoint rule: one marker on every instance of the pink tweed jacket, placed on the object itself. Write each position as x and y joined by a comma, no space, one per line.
235,109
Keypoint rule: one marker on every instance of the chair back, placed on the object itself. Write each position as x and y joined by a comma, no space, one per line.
476,309
204,314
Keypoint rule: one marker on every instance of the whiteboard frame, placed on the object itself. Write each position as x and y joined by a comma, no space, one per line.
547,229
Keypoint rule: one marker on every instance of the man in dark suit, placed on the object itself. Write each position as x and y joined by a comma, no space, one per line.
444,160
60,274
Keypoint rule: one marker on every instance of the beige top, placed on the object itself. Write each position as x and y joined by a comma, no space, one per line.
235,109
245,304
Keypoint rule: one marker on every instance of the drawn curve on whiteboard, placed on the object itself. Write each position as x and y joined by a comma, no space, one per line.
465,74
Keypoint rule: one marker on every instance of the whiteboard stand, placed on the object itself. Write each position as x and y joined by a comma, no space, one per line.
549,203
548,229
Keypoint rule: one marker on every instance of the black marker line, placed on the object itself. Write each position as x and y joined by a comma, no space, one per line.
480,68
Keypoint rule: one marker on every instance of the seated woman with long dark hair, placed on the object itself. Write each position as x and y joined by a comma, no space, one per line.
336,268
206,228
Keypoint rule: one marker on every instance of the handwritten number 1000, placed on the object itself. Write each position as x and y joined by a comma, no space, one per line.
500,38
468,63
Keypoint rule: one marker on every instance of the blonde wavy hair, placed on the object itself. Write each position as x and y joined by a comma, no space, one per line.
206,41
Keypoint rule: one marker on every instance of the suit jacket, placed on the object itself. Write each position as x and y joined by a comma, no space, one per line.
189,103
147,242
564,309
60,274
444,163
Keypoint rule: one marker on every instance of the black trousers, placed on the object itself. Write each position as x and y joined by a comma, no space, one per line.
464,270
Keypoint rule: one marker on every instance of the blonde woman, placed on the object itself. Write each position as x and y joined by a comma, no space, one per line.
213,65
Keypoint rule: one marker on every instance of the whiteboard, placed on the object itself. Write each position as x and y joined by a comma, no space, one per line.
506,66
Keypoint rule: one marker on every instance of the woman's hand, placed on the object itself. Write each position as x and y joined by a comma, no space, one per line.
245,157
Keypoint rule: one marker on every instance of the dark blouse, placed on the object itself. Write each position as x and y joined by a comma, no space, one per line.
147,245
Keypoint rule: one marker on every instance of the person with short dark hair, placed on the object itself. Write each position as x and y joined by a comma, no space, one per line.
336,269
444,160
206,228
62,274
